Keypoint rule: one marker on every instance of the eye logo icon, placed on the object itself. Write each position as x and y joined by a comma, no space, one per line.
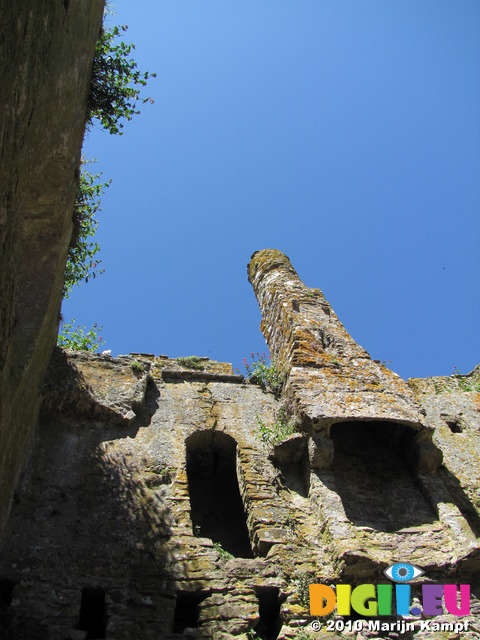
402,572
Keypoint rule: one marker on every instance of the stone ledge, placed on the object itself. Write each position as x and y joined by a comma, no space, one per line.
200,376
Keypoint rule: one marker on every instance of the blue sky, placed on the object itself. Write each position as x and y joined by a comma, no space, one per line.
344,133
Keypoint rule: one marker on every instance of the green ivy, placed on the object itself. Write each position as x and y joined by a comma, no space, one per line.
282,428
82,263
78,338
115,89
223,553
116,82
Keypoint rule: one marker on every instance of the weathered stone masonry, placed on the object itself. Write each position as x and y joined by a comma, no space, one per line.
46,54
151,509
356,410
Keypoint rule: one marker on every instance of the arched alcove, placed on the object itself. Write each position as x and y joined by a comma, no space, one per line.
217,510
372,474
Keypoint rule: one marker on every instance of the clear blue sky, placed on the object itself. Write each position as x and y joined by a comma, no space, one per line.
344,133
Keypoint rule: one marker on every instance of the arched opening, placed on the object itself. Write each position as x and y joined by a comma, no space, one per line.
373,478
216,505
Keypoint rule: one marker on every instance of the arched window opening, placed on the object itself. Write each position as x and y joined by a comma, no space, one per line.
217,510
372,475
93,612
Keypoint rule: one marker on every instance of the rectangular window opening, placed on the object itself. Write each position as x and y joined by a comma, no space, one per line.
187,610
93,613
6,590
270,621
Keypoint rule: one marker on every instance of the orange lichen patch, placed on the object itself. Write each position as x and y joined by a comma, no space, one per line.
352,398
374,386
305,357
266,260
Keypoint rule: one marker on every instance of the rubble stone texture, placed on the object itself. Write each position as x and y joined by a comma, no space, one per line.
46,53
152,508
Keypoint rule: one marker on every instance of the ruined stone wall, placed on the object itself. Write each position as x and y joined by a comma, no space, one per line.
46,52
152,506
452,406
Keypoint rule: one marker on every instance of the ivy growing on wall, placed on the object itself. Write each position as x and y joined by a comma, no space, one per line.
116,82
83,263
115,91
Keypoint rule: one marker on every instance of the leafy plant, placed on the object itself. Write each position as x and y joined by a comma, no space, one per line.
116,82
78,338
115,88
82,263
223,553
191,362
137,367
469,382
282,428
266,375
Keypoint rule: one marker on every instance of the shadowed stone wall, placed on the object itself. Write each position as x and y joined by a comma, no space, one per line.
46,53
105,532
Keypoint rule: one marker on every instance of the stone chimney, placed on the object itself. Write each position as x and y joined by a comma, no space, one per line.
329,378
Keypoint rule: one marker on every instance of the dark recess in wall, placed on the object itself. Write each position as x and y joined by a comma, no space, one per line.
186,609
373,475
269,610
93,612
217,510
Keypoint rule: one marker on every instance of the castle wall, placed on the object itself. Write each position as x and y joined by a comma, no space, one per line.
105,513
46,49
157,505
452,406
107,499
335,388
